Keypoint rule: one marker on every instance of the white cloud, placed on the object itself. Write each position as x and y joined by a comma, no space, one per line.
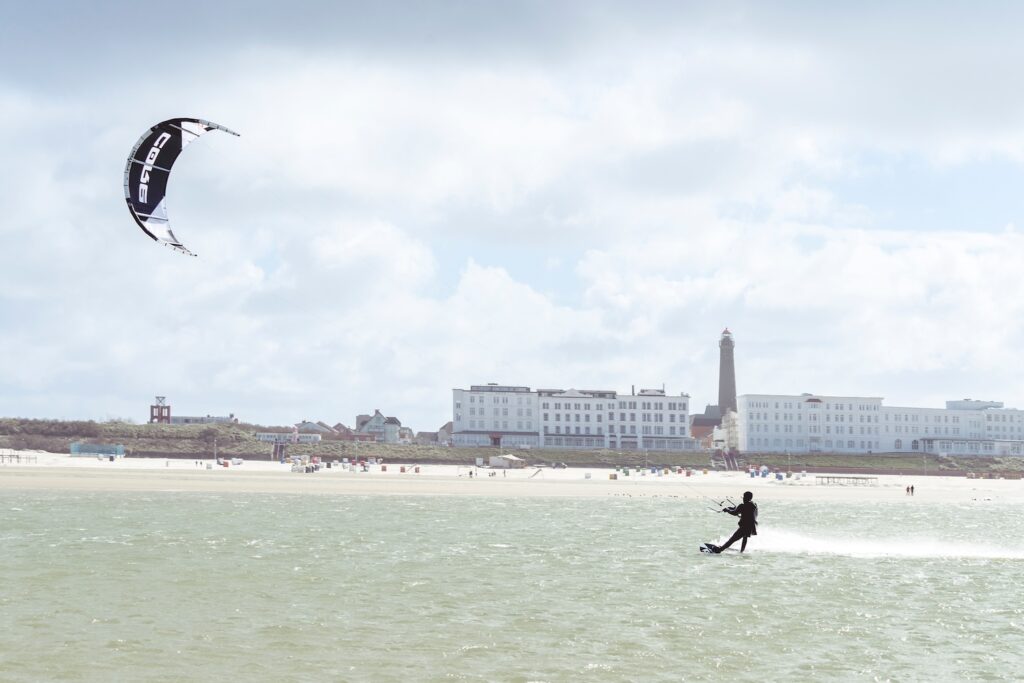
680,180
834,306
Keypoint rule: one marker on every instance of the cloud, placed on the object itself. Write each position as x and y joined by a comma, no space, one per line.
584,198
881,303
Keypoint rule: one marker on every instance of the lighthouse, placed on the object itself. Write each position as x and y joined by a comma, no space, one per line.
726,373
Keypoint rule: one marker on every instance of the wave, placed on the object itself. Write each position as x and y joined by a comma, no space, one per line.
784,541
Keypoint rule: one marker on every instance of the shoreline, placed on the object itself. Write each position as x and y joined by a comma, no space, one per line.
58,472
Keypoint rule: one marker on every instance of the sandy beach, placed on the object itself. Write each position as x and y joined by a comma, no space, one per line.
48,471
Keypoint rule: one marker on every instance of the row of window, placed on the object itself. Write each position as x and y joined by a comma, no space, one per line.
567,405
576,406
520,425
649,430
896,417
924,430
521,412
569,430
646,430
848,444
793,417
569,418
788,443
644,417
812,429
494,399
898,445
842,429
913,418
623,405
813,404
573,441
789,417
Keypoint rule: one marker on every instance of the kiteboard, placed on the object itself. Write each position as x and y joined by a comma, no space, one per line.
709,548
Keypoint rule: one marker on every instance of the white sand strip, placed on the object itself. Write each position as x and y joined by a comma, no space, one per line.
62,472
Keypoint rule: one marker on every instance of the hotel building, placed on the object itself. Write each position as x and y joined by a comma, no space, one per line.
812,423
516,416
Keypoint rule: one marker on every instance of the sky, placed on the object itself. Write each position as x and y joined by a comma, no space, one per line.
429,195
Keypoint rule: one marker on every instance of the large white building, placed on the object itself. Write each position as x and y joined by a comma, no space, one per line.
810,423
499,415
494,415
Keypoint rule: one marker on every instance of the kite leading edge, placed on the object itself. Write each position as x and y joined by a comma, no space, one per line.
148,168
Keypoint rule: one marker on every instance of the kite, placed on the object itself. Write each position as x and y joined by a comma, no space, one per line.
148,168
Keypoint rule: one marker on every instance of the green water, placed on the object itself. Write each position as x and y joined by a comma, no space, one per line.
133,587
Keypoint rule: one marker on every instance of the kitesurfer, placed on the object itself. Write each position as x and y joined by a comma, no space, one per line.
747,512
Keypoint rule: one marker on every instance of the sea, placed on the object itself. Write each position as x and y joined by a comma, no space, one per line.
112,586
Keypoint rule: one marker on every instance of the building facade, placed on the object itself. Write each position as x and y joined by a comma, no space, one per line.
811,423
576,419
383,429
516,416
495,415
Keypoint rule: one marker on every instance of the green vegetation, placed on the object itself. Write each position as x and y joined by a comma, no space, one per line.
239,440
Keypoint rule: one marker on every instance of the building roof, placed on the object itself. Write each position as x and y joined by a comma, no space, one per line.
307,426
709,412
702,430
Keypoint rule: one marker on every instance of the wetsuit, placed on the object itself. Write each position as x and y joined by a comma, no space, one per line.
747,512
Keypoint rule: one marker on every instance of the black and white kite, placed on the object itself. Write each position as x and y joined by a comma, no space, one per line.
148,168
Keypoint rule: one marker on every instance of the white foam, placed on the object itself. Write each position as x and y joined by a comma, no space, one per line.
784,541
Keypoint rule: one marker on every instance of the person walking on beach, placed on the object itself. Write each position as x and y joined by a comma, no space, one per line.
911,490
747,512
